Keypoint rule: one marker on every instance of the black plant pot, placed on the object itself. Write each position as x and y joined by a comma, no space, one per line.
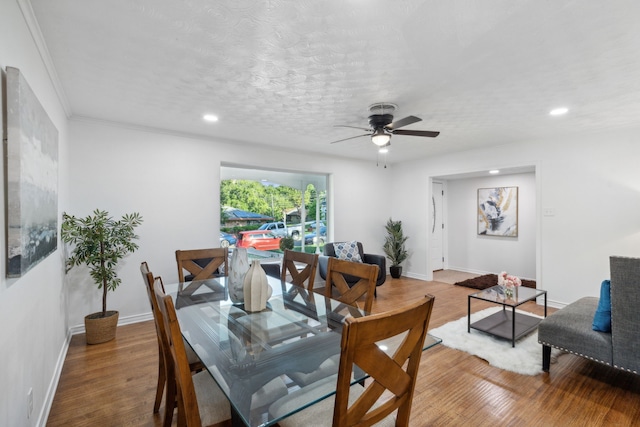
395,271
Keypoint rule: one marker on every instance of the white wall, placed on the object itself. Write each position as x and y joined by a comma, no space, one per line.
490,254
591,182
33,307
174,183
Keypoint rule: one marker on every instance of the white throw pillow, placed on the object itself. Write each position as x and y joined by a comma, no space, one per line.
347,251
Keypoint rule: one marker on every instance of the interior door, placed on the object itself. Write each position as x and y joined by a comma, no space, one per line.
437,227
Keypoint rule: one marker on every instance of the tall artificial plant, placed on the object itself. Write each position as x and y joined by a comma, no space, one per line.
393,246
99,243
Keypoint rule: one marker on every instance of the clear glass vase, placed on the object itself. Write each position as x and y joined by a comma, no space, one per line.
508,291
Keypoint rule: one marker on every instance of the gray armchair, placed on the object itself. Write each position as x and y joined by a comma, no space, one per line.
570,328
379,260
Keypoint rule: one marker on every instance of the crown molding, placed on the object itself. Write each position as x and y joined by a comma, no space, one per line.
41,45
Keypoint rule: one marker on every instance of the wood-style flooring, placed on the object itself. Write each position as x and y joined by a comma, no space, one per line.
113,384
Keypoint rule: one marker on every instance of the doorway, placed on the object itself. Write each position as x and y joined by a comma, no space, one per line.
469,252
437,226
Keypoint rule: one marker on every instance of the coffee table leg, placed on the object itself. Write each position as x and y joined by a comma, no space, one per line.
468,315
513,327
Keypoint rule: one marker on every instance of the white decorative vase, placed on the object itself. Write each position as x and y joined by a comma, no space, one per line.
238,267
256,288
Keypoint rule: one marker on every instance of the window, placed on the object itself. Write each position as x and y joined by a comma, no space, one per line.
251,198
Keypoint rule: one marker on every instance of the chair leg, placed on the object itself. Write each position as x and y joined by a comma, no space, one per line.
162,379
170,402
182,419
546,357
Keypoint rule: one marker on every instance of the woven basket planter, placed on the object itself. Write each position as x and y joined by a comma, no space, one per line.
101,329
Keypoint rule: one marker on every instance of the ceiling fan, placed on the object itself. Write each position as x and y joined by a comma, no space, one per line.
382,126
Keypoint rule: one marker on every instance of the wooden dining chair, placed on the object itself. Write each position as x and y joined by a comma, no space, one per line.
201,264
147,277
392,377
200,400
337,287
165,378
303,277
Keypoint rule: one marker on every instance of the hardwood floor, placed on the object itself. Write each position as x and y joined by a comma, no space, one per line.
113,384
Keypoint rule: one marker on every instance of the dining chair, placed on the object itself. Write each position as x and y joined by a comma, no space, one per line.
164,377
147,277
282,329
392,379
338,288
362,278
303,277
200,400
202,264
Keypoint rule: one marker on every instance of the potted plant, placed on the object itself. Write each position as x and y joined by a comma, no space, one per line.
99,242
394,247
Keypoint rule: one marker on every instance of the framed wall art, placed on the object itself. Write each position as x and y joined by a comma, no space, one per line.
32,178
498,211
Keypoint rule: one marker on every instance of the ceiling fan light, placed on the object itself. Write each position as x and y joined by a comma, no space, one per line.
380,137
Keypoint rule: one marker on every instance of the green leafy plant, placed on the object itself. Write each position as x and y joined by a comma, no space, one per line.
286,243
394,247
99,243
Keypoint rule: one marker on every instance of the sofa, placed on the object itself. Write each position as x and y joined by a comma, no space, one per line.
330,251
571,328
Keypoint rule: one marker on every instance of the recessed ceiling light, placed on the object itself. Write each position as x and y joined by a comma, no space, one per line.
494,171
559,111
210,118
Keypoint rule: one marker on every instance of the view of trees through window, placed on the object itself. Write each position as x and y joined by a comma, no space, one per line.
263,202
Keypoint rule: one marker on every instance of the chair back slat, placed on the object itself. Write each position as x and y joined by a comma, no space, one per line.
304,277
202,264
365,287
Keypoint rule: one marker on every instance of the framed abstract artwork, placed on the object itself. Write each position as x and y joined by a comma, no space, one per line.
32,178
498,211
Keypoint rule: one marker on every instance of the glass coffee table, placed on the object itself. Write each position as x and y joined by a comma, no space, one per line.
505,323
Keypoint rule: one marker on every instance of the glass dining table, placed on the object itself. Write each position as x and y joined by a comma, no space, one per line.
246,352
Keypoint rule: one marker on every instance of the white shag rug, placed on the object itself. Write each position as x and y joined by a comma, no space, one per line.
525,358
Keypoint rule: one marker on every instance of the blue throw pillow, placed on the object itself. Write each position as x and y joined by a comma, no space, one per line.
602,319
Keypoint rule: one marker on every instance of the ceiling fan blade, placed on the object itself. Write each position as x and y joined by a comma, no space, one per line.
353,137
352,127
428,133
403,122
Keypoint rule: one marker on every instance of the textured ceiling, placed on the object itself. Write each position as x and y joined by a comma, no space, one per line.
283,73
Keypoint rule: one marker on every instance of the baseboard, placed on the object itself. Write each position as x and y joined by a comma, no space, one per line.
555,304
137,318
415,276
470,270
53,385
127,320
481,272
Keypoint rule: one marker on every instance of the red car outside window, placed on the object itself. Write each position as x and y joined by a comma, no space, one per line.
258,239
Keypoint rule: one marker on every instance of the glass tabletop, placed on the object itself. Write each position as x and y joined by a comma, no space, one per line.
521,294
250,354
